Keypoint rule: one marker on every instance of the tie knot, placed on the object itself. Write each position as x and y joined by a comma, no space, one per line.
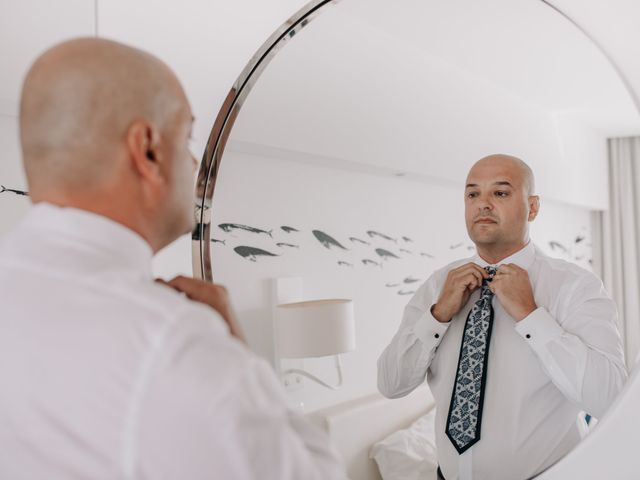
491,270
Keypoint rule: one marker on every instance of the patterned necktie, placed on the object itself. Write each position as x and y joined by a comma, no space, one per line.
465,411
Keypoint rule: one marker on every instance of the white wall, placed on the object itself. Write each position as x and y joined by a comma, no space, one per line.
267,193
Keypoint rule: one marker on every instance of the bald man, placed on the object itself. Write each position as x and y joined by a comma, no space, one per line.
105,372
514,344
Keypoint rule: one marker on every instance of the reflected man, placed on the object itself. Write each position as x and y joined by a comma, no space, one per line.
105,372
514,344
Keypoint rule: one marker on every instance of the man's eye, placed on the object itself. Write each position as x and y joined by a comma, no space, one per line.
472,194
502,194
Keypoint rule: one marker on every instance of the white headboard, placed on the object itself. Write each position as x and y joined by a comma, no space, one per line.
355,425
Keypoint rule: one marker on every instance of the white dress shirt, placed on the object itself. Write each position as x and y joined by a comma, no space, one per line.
565,357
108,375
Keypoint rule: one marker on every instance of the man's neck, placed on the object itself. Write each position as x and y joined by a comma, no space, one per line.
113,208
494,254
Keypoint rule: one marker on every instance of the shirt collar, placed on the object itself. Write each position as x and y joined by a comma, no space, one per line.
523,258
106,235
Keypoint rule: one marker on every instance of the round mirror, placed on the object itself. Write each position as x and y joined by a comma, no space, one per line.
338,160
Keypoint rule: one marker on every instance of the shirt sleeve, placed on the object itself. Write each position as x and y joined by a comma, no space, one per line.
580,350
403,364
214,410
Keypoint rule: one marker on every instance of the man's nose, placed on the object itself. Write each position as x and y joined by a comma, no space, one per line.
485,202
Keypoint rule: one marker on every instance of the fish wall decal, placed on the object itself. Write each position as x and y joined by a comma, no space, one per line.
345,264
355,239
407,239
558,246
13,190
580,238
289,229
366,261
327,241
404,250
283,244
457,245
386,254
215,240
228,227
411,280
392,285
406,292
252,253
428,255
373,233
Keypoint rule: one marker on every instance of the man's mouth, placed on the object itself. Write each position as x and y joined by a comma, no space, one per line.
485,220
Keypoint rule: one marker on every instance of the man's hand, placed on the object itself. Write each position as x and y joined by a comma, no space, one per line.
460,284
512,286
216,296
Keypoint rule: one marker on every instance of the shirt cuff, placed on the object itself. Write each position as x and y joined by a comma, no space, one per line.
539,328
430,330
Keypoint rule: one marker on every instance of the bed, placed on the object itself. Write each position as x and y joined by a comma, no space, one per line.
354,426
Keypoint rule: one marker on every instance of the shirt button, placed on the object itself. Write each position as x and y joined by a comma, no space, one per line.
528,336
437,335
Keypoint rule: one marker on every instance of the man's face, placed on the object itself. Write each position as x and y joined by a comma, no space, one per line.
179,206
496,204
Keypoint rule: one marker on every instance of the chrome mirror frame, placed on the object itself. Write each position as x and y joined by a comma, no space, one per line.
212,157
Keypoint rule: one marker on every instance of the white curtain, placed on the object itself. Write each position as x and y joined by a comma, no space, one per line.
616,240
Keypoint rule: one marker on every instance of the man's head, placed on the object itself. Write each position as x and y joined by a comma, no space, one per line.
500,203
105,127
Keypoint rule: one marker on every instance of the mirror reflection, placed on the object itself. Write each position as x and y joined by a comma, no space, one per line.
349,168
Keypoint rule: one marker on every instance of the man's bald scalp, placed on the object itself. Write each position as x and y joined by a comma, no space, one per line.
527,174
77,102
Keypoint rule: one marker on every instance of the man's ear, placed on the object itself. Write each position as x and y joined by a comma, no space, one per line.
534,207
143,139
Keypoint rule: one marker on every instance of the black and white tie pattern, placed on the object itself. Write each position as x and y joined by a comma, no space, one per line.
465,412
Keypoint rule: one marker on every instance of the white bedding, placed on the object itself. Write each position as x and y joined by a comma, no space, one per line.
355,426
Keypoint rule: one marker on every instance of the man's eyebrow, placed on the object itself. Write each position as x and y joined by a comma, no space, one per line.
500,182
503,182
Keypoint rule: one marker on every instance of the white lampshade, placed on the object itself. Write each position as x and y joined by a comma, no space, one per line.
315,328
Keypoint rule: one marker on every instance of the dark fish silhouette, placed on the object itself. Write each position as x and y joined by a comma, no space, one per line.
391,285
428,255
373,233
407,239
406,251
227,227
366,261
344,264
11,190
282,244
457,245
289,229
406,292
558,246
326,240
354,240
215,240
580,238
251,253
386,254
411,280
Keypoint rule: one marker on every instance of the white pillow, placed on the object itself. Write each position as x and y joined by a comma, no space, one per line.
408,454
